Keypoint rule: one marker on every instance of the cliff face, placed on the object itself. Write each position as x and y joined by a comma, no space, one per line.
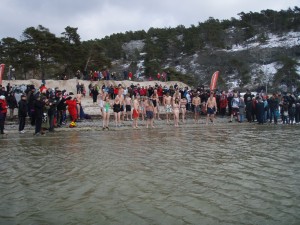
253,64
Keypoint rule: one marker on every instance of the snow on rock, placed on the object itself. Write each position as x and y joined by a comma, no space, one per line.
288,40
133,45
180,69
233,84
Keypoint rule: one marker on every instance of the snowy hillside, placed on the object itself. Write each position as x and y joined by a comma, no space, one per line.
259,56
288,40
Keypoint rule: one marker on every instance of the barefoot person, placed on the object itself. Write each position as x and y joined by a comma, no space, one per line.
196,102
106,112
176,111
211,108
128,107
149,112
135,113
183,103
122,102
117,111
168,106
142,107
102,96
155,100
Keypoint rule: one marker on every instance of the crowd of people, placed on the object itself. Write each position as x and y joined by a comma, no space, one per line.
50,108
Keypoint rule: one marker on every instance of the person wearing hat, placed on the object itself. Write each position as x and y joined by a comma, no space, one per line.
3,111
22,113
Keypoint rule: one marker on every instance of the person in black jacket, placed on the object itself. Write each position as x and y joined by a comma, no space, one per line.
38,112
22,113
274,107
52,112
260,110
61,107
297,114
95,94
30,104
12,104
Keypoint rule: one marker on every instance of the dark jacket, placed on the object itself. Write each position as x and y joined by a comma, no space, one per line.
38,108
61,104
22,112
273,103
11,101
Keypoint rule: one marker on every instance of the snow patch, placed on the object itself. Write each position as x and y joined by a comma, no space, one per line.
270,68
180,69
233,84
288,40
133,45
140,64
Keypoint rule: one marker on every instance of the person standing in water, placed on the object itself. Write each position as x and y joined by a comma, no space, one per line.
183,103
135,113
106,112
176,111
168,106
149,112
196,103
211,108
117,111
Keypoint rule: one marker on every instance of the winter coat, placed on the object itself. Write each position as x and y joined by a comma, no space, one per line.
72,108
22,112
3,106
3,109
223,101
11,101
38,108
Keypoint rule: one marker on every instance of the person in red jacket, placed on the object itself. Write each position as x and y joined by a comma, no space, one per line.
3,111
130,75
160,94
72,108
223,104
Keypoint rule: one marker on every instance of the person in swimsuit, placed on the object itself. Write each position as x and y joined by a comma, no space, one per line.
142,107
135,113
122,102
117,111
155,100
211,106
149,112
101,96
168,106
183,103
196,103
176,111
128,106
106,112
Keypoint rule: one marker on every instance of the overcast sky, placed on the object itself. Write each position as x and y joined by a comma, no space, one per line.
99,18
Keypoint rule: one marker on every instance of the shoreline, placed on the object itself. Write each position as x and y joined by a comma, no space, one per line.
95,125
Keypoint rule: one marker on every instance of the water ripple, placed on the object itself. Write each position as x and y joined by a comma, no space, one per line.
212,175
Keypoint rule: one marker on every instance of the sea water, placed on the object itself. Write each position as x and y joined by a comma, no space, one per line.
208,175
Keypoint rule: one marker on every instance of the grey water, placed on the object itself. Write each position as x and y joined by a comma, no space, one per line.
211,175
